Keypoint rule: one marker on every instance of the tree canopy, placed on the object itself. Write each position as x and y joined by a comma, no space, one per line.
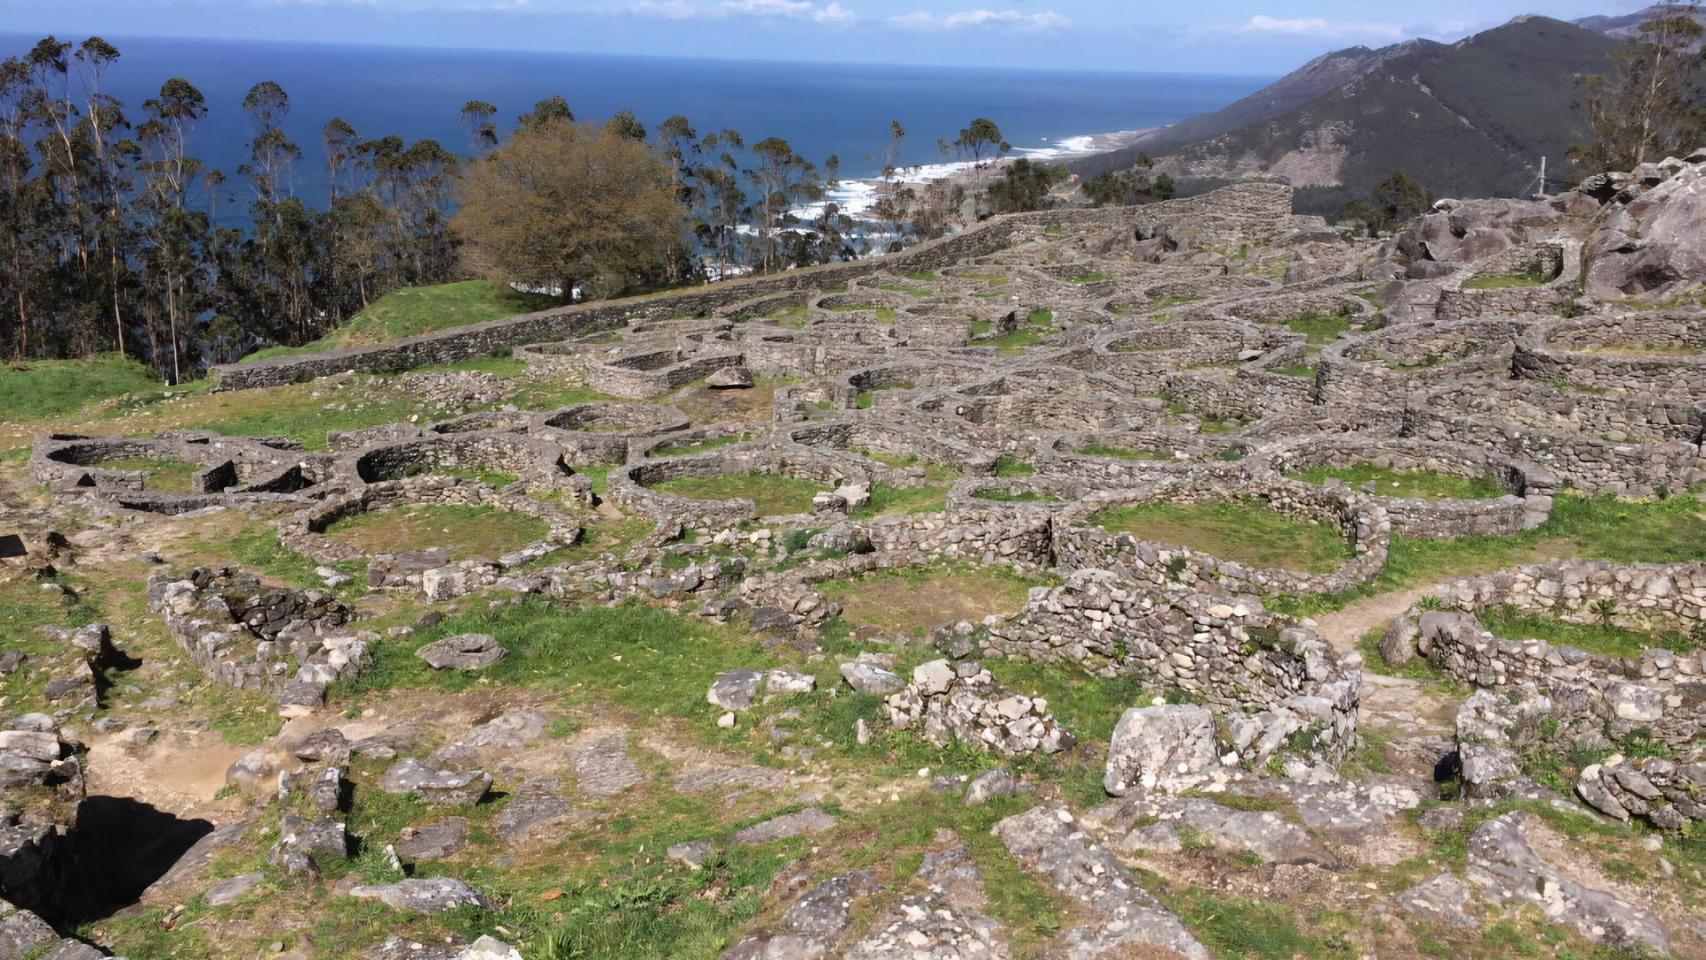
563,205
1651,103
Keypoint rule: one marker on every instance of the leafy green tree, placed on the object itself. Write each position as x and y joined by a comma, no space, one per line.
982,137
783,179
1650,103
1394,201
625,124
477,120
553,109
1026,186
564,205
1129,187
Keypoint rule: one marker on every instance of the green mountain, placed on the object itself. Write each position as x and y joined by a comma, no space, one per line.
1472,118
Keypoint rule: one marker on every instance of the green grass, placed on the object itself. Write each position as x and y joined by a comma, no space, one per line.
1307,373
887,501
1089,706
1414,484
296,412
1007,465
1235,928
912,600
922,276
166,475
468,531
1246,531
37,389
416,310
699,446
773,494
1320,328
1041,318
1606,639
631,654
1595,528
1093,276
1535,276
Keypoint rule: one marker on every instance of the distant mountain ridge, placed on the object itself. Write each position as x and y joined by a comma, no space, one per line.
1628,25
1471,118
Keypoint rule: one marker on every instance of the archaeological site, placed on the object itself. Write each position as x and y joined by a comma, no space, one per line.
1191,580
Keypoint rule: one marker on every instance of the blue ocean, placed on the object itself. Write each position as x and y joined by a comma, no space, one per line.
821,109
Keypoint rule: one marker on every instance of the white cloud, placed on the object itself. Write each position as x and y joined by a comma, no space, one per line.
1319,27
925,20
833,13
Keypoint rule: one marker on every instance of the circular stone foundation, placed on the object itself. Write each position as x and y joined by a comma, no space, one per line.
1657,354
1355,534
602,433
730,485
305,531
1445,490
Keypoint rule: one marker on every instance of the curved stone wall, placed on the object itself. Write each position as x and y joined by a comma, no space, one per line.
1660,692
1079,544
1526,504
1228,651
1652,354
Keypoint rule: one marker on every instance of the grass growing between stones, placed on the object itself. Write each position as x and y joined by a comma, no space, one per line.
1246,531
1506,281
640,658
912,600
44,388
1320,328
1593,528
302,412
416,310
1089,706
601,535
467,531
1413,484
1608,639
168,476
1093,276
773,494
1307,373
699,446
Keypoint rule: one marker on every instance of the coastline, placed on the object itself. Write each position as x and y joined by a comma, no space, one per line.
856,197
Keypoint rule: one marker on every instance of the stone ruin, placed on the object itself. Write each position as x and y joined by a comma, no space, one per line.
1054,366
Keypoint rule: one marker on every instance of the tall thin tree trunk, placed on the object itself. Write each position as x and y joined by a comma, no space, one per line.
118,318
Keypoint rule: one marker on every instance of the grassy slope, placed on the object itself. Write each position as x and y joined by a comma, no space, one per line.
415,310
45,388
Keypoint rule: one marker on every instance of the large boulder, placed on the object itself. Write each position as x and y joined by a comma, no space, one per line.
1505,865
1168,747
1653,243
436,786
465,651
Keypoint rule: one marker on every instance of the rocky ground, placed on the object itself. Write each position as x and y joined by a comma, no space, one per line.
1181,581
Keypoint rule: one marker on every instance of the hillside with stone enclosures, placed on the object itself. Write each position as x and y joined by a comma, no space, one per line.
1187,580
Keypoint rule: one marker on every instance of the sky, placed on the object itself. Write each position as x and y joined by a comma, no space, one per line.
1195,36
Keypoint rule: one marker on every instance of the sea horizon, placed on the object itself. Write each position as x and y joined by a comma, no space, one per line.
824,109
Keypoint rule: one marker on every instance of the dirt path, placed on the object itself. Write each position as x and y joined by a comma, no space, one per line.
1393,705
1345,628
